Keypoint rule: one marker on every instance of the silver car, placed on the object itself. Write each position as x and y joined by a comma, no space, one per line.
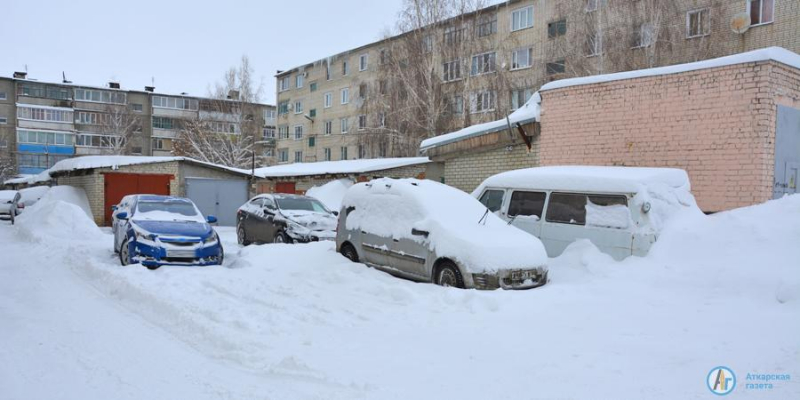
429,232
9,204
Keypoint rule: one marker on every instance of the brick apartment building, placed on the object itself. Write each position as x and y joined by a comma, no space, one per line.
488,62
42,123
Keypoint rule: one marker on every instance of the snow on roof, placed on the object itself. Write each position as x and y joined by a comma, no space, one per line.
338,167
587,179
529,112
113,162
28,105
778,54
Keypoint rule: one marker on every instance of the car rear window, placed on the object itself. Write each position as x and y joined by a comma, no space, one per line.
526,203
492,199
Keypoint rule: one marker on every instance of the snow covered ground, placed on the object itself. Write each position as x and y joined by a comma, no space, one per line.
301,322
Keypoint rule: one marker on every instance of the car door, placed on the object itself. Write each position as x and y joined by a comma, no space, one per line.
525,209
408,254
268,228
254,219
118,225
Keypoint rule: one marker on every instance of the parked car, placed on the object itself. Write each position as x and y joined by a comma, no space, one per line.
619,209
10,205
430,232
284,218
164,230
29,196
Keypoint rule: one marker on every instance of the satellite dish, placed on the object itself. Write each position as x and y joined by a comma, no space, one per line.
740,23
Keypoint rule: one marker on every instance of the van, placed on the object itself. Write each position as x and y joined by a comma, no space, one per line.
621,210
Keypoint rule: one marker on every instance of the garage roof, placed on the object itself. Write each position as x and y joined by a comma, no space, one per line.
343,167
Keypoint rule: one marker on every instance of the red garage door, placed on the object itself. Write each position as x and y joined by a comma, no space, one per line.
285,187
118,185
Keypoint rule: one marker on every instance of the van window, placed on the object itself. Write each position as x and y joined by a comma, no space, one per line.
492,199
567,208
526,203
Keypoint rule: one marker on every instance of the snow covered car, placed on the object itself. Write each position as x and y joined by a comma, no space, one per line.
284,218
619,209
10,204
164,230
430,232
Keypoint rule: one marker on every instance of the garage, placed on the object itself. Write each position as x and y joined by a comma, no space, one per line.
218,197
119,185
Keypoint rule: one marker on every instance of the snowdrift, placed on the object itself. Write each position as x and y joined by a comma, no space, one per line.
62,213
331,193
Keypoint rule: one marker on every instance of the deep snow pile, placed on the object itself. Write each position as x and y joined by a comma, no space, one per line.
32,194
331,193
63,212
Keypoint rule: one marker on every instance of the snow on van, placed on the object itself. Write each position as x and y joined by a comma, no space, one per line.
620,209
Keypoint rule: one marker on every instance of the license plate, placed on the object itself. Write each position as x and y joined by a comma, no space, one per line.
522,275
180,253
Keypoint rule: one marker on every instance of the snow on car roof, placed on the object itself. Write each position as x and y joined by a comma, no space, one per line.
459,226
587,178
6,195
338,167
778,54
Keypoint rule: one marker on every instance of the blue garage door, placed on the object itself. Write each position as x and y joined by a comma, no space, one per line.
218,197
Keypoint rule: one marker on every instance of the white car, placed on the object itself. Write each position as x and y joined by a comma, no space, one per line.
430,232
620,209
9,204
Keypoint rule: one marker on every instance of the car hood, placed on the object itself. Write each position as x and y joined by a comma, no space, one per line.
315,221
175,228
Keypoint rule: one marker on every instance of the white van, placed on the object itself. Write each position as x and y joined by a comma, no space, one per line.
619,209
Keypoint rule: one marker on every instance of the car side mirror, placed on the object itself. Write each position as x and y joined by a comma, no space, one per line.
336,213
122,215
211,219
417,232
113,208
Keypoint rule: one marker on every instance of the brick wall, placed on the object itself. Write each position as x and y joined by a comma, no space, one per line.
302,184
718,124
468,170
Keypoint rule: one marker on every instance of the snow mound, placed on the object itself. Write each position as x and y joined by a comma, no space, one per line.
67,194
32,194
57,219
331,193
581,261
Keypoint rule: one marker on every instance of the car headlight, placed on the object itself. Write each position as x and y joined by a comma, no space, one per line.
145,236
210,239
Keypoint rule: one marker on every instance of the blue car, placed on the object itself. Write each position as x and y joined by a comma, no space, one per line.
164,230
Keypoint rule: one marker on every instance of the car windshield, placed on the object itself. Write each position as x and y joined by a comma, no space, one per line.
173,207
300,204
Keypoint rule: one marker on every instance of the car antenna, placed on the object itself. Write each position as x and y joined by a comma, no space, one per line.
483,218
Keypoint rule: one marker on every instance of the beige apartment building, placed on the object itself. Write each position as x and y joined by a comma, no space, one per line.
371,101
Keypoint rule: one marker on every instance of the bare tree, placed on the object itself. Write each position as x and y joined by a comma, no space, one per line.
8,168
122,126
229,124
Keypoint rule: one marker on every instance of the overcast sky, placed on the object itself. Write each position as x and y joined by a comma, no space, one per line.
185,46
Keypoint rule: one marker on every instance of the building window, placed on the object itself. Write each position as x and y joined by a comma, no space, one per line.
178,103
362,153
382,119
453,35
100,141
3,96
298,107
645,36
522,18
157,143
483,63
136,107
383,56
312,141
298,156
327,100
45,114
345,96
486,25
53,92
283,107
698,23
298,132
283,84
44,137
268,153
313,86
519,97
363,62
268,133
283,155
557,28
482,101
345,68
312,113
521,58
457,104
594,44
343,153
362,122
3,120
344,125
283,132
383,86
591,5
427,44
761,11
328,127
362,91
299,80
556,67
91,118
451,71
327,152
269,114
164,123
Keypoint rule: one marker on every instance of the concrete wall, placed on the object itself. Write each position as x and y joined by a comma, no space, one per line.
718,124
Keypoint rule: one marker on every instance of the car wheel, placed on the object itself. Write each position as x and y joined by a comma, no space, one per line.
241,236
12,217
448,275
349,252
153,267
221,255
282,237
124,253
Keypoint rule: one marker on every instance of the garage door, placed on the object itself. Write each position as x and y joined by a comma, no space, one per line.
119,185
218,197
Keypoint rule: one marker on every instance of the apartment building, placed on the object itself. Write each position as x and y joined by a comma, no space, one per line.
42,123
371,102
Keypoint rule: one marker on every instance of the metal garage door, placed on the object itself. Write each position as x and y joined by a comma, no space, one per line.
787,152
118,185
218,197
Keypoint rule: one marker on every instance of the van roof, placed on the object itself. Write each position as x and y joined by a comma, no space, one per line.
588,178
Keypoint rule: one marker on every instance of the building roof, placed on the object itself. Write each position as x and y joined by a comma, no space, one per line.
778,54
588,178
528,113
343,167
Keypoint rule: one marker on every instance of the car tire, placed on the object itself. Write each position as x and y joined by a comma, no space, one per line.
282,237
124,253
349,252
221,255
241,236
153,267
447,274
12,217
